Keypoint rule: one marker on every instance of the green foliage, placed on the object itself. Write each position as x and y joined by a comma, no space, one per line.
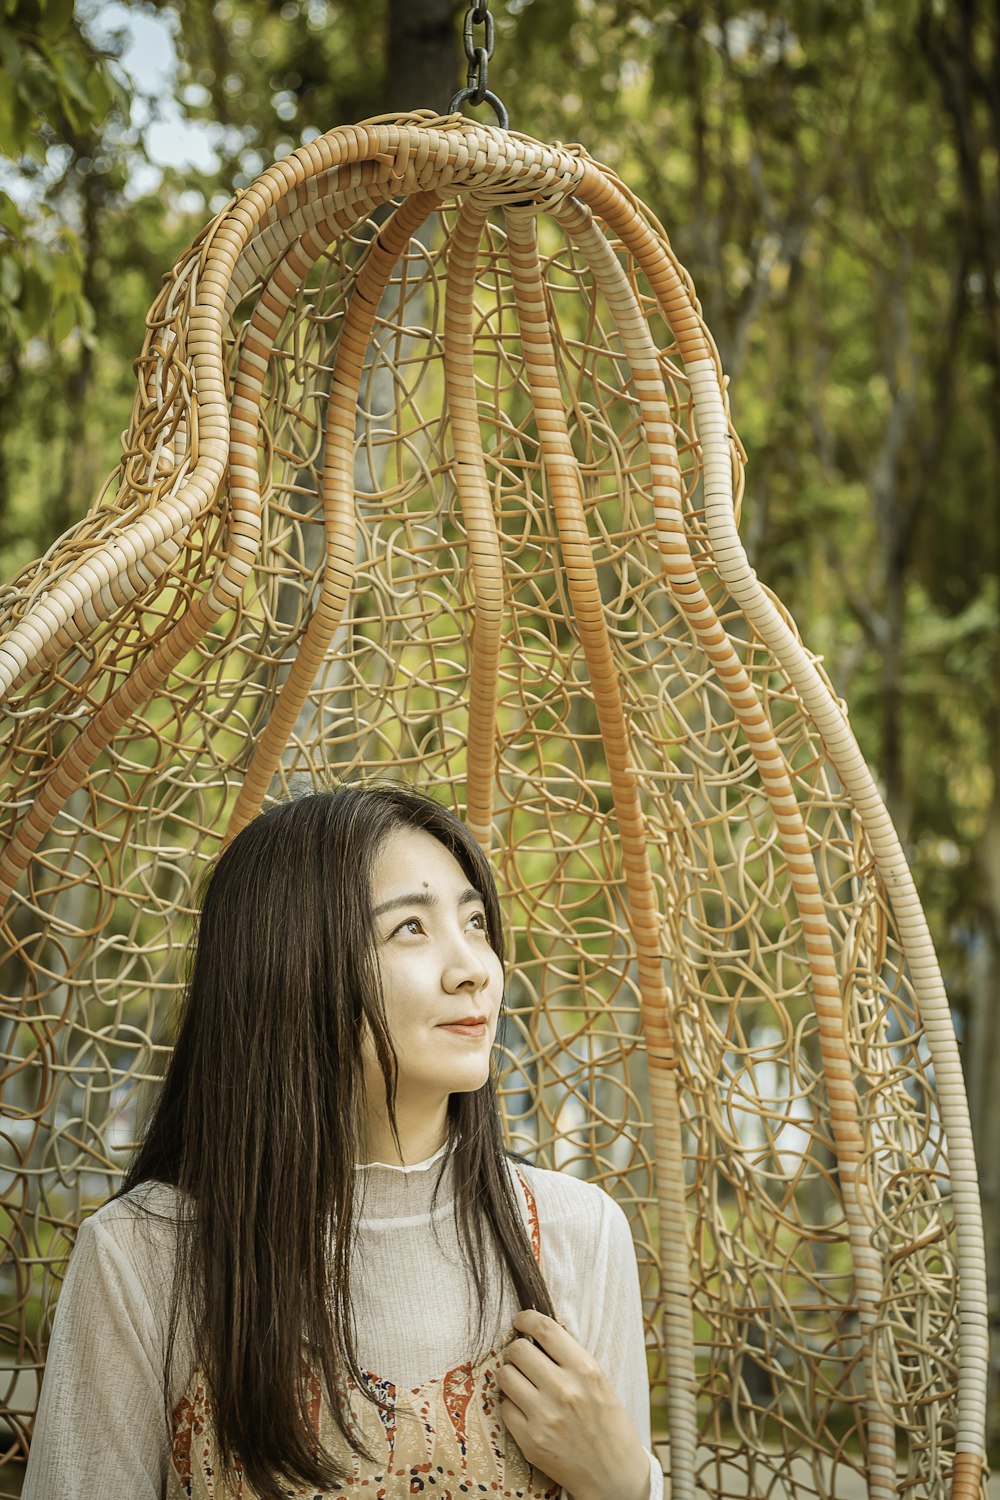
56,78
57,89
41,292
275,72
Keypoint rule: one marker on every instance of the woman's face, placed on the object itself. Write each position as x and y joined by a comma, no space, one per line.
441,981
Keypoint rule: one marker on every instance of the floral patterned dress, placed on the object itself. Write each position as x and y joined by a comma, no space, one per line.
444,1438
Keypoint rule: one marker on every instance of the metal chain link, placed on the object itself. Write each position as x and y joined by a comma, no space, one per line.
479,54
479,57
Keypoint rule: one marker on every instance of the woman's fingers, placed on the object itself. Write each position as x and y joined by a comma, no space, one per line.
531,1361
553,1338
565,1416
517,1388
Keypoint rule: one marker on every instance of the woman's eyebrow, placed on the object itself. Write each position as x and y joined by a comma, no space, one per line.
424,898
417,898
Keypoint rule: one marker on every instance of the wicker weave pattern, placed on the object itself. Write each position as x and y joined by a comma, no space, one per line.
431,468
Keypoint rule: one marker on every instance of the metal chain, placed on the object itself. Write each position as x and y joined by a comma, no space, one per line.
479,57
479,54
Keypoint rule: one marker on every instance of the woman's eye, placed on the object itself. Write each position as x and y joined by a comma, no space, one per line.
478,919
411,925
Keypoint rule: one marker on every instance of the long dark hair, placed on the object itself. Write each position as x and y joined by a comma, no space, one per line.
260,1120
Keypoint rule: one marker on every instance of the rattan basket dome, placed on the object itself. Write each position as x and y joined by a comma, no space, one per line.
431,471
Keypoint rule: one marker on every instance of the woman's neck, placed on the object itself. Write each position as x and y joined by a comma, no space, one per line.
421,1133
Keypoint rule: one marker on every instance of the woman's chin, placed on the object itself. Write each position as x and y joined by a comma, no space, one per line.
466,1080
458,1081
444,1066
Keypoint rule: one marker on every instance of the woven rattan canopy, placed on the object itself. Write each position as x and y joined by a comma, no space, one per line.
431,471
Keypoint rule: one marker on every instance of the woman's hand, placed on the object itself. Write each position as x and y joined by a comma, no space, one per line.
562,1412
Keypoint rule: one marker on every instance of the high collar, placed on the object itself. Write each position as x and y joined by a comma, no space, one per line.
405,1193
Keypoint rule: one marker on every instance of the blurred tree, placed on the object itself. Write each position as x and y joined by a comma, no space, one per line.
58,92
58,89
961,45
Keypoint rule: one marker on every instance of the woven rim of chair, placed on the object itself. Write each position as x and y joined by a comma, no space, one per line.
276,230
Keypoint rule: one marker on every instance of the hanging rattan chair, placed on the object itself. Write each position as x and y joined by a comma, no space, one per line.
430,471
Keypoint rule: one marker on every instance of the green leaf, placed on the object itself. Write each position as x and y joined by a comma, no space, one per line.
11,280
66,270
43,261
11,57
64,319
10,141
35,147
10,216
73,85
99,93
88,323
58,15
35,304
36,88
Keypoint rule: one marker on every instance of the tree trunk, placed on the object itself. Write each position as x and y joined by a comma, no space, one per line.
423,54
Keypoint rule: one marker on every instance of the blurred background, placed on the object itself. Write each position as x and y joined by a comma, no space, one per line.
829,173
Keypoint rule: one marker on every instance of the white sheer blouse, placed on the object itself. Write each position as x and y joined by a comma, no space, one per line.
101,1429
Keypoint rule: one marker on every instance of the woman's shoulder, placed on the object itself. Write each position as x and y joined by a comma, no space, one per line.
155,1205
567,1201
135,1233
585,1248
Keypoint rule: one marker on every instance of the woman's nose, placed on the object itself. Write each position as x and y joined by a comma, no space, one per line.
466,967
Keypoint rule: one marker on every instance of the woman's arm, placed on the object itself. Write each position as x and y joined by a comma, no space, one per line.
101,1426
579,1407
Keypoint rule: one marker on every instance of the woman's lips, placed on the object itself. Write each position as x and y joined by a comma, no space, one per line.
466,1028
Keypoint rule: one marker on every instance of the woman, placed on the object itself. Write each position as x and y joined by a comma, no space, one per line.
323,1274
